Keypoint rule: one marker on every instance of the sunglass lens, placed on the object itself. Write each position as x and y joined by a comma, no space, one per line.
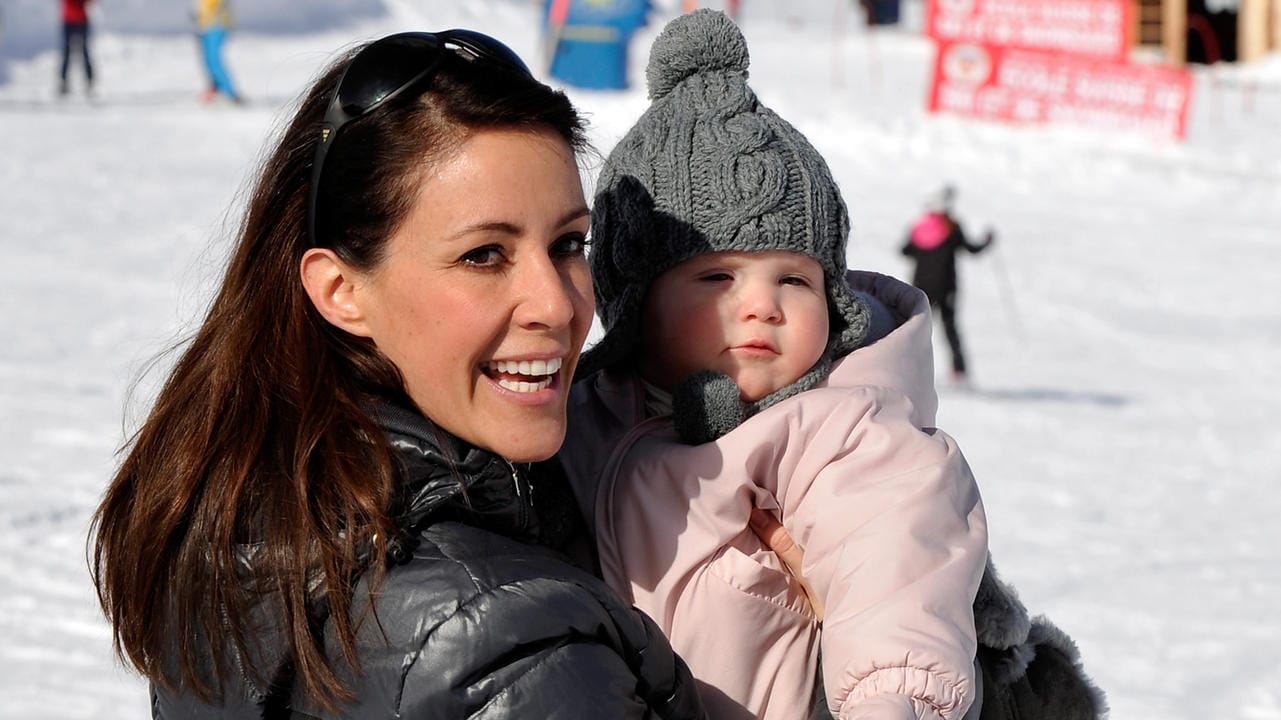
385,67
480,45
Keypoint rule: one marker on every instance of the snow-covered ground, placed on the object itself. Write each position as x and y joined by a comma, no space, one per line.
1125,335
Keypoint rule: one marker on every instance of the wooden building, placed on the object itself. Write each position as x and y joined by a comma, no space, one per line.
1185,31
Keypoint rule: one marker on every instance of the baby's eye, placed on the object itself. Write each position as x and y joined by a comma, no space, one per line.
485,256
715,277
795,280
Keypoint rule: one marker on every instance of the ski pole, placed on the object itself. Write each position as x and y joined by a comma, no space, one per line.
1007,294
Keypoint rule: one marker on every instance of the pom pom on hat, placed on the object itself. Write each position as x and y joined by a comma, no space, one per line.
699,42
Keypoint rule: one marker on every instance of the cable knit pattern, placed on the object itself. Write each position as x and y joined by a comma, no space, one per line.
708,168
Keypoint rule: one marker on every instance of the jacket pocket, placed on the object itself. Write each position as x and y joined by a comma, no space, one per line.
756,572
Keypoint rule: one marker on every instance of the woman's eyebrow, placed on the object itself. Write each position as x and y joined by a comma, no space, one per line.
509,228
575,214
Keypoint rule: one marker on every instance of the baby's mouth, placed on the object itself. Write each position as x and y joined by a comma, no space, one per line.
757,346
523,376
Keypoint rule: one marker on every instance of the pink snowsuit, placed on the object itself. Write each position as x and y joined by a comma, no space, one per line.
884,505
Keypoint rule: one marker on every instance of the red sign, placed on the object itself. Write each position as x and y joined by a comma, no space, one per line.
1099,28
1024,86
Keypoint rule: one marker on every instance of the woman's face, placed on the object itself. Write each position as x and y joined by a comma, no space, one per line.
484,297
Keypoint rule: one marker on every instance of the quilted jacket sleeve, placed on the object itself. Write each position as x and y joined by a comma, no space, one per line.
895,543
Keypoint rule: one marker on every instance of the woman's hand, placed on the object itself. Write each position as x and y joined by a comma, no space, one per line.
774,535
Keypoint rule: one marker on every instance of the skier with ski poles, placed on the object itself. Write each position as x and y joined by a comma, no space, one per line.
933,242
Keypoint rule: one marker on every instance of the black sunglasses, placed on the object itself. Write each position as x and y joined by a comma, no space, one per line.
390,68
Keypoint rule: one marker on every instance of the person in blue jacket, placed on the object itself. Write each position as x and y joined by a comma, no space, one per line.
588,40
213,23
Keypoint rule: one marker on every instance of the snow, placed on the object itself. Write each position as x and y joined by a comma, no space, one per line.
1124,334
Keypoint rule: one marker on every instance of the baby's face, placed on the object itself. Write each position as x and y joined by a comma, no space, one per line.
759,317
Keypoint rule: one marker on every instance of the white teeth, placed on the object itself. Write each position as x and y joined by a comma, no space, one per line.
527,367
524,387
540,369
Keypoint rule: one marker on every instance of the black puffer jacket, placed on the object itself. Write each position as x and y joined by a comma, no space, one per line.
935,271
481,619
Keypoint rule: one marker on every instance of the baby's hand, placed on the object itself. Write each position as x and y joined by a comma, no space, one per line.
774,535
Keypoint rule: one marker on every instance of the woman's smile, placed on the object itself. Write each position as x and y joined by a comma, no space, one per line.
484,298
523,376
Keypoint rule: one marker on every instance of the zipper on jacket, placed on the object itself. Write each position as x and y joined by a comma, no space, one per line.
515,476
522,513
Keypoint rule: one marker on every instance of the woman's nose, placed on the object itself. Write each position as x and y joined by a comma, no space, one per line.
546,295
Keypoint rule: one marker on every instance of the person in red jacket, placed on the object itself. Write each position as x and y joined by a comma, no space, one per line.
75,33
934,241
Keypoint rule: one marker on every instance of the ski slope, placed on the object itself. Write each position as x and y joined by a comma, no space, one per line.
1124,335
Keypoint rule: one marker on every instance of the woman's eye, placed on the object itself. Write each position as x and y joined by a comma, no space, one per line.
486,256
570,245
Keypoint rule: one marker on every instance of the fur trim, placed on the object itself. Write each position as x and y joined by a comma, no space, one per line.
1031,669
1063,684
1009,665
1000,619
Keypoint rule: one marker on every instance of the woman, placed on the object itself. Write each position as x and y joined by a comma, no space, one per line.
328,512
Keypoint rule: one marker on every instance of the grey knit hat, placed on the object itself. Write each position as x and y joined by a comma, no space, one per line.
708,168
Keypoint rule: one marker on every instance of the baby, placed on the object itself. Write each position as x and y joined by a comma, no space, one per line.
738,372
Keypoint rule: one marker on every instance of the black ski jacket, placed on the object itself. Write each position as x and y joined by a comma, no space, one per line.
935,272
480,619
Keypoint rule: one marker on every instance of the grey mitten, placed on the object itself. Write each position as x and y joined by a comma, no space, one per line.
705,406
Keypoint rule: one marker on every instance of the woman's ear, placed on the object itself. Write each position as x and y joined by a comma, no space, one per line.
331,285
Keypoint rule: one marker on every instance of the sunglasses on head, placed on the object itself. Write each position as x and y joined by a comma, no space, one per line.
393,67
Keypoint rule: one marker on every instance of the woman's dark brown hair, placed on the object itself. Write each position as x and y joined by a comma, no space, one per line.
257,491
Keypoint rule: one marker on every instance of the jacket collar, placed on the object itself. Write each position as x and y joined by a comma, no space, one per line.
444,477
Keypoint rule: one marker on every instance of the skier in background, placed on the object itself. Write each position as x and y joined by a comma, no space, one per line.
213,22
933,242
75,33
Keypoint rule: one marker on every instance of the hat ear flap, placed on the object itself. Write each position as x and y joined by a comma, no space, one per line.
622,231
620,340
855,315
